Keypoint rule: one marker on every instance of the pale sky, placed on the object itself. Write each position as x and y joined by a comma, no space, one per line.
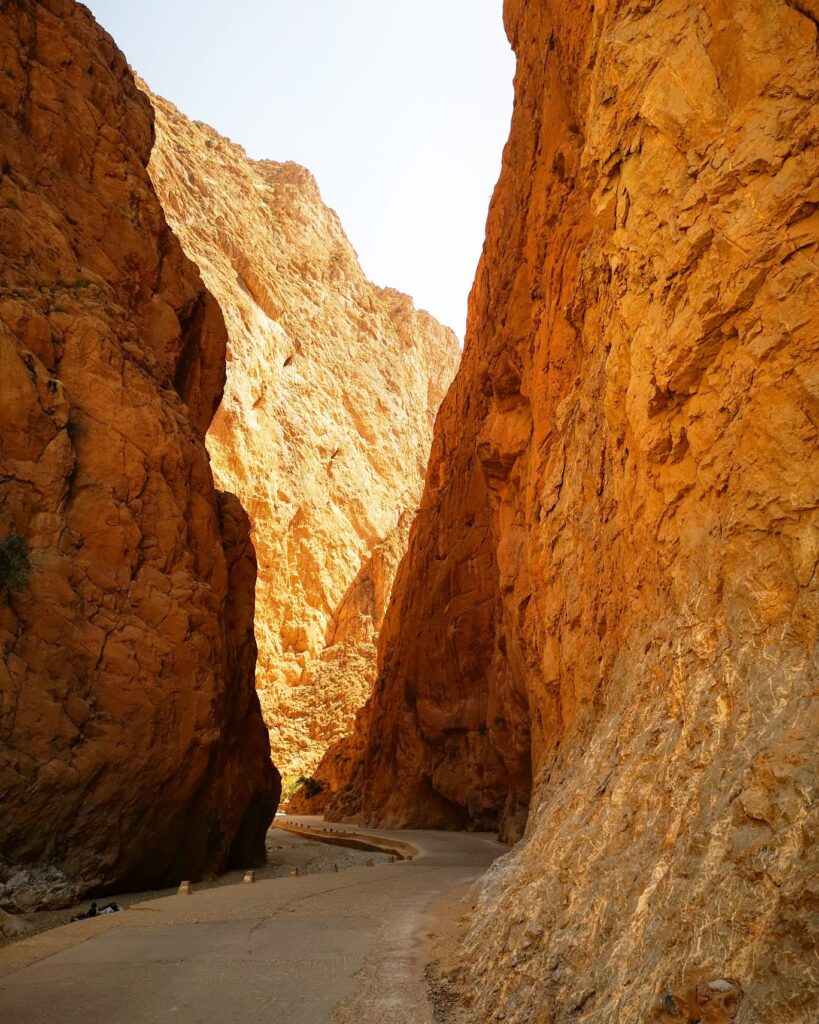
400,108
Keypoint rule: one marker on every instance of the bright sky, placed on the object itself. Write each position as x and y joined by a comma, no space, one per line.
399,107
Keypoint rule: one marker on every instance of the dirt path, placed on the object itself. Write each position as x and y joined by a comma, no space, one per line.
351,946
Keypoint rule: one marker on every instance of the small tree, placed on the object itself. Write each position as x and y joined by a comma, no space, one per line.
312,787
14,564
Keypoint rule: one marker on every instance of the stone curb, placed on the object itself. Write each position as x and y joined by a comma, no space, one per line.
356,840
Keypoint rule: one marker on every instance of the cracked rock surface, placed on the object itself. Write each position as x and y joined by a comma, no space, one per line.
132,748
608,609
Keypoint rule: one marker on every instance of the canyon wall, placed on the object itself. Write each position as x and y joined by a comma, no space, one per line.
324,430
610,595
132,748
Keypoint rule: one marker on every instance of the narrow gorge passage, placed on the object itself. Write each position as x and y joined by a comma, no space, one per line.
256,510
324,428
320,949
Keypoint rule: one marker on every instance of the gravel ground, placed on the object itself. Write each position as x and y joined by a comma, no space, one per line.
284,852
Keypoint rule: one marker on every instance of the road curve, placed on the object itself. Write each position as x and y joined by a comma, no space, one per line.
309,950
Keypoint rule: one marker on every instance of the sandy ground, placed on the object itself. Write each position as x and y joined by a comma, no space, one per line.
284,852
353,947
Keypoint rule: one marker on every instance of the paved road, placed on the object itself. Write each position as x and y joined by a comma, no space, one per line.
281,951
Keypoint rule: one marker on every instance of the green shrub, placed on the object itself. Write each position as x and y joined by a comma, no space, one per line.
289,787
14,564
312,787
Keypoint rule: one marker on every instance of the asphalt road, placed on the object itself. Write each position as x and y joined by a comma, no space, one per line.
306,950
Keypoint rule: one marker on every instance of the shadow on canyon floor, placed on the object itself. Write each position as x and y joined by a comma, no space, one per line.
284,852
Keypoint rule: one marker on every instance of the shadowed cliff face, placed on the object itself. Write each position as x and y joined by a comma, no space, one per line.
611,586
332,389
132,749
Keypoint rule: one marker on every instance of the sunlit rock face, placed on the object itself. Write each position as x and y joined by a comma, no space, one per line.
611,585
132,748
332,389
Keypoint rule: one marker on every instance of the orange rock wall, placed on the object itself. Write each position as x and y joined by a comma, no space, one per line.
332,389
611,587
132,749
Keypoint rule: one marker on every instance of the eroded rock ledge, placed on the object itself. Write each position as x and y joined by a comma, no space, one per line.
132,749
610,595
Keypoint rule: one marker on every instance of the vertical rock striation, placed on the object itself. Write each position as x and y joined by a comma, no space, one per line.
332,389
611,587
132,749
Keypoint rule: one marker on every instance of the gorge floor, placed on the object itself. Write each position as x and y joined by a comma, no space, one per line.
285,851
352,946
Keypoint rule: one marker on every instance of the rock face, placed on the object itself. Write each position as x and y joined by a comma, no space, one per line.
12,927
324,430
132,749
345,673
611,587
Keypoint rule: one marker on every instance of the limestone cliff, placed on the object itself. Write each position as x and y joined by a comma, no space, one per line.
324,430
611,587
132,749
